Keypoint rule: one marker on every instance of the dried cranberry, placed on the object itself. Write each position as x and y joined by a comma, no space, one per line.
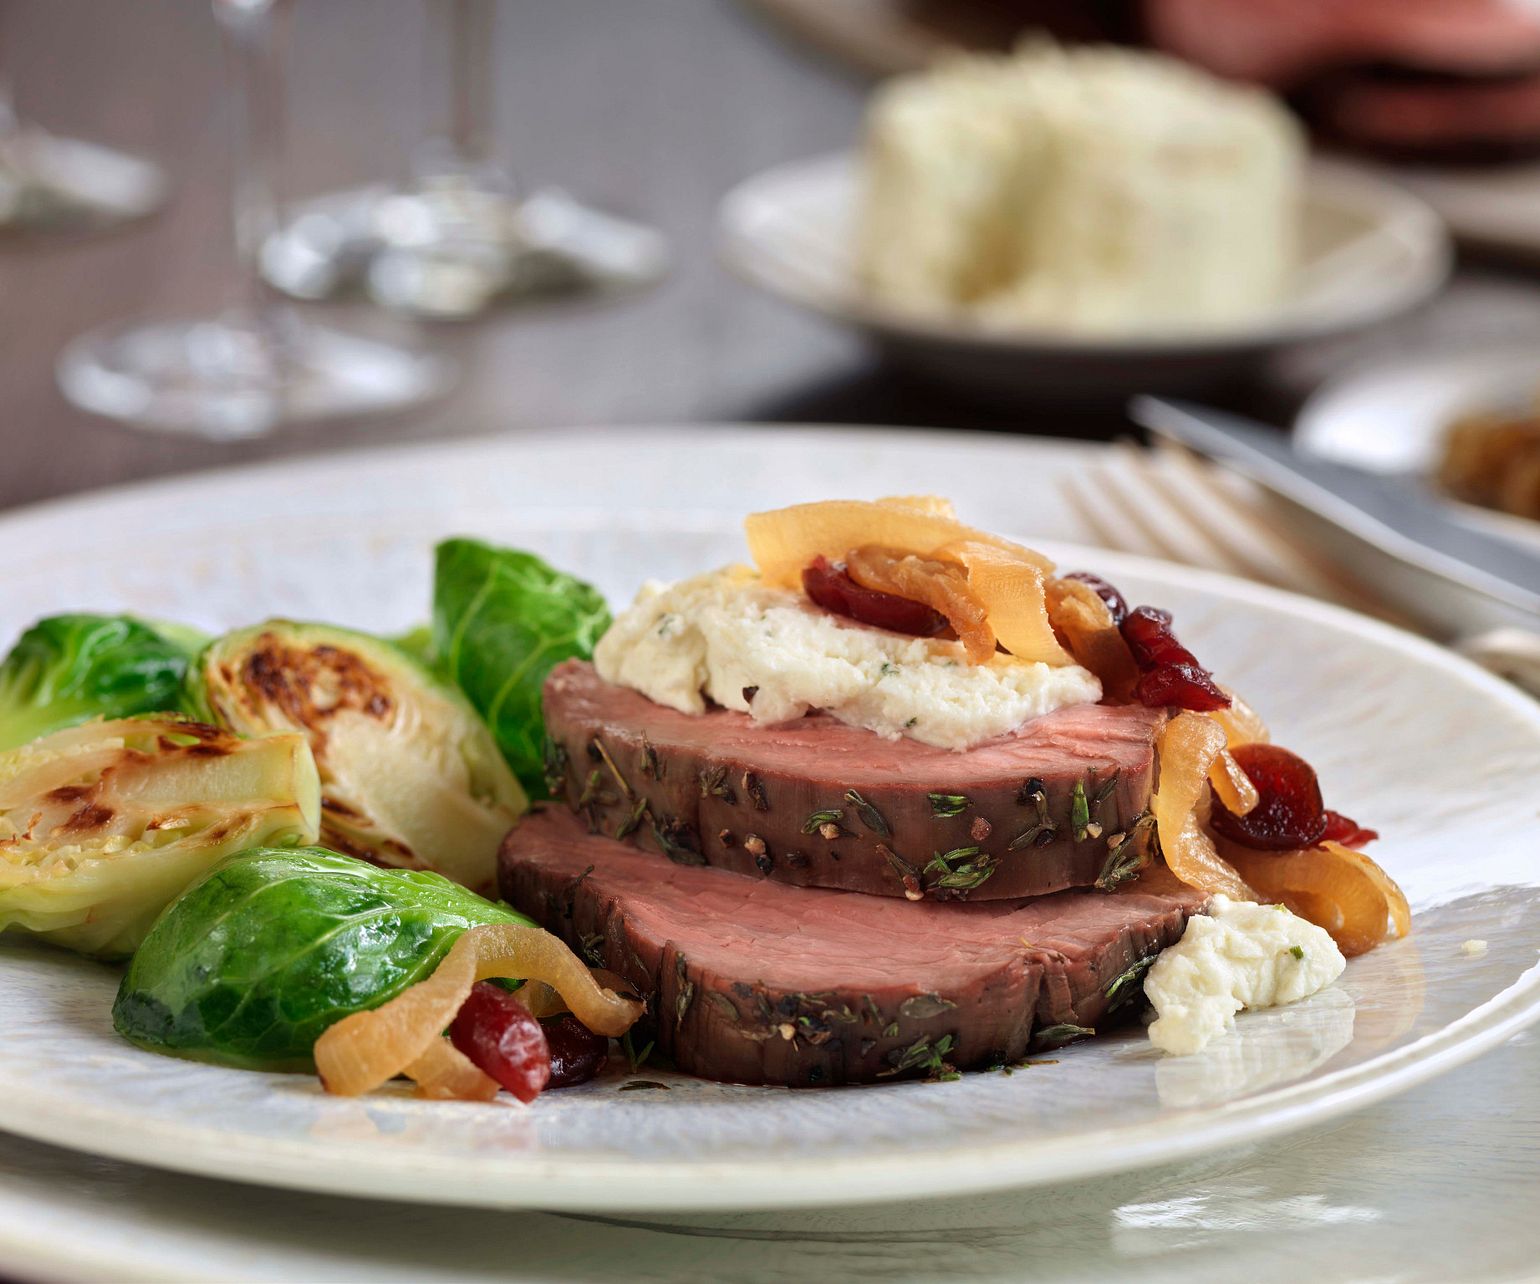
500,1036
1169,673
833,589
577,1053
1289,813
1148,634
1184,685
1114,600
1343,829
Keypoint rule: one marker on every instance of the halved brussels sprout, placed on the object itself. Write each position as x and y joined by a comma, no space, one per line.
68,668
103,825
410,776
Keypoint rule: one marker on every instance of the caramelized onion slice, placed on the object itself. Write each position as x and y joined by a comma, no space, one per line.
1333,886
1083,620
1013,590
1232,786
366,1049
1189,746
444,1073
1242,724
942,586
785,540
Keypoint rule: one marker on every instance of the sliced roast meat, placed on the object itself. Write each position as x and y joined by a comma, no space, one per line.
756,982
818,803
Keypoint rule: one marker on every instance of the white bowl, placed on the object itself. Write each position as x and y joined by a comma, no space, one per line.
1370,252
1391,416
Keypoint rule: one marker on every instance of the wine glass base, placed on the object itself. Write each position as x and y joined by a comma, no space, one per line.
225,380
452,249
62,184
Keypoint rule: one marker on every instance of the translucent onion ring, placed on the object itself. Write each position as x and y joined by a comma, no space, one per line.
444,1073
367,1049
1188,748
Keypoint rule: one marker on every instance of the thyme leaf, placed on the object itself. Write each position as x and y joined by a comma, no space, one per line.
919,1007
677,841
922,1054
944,806
1125,986
625,785
962,868
1127,856
636,1060
554,754
819,820
1079,812
1298,951
636,1085
870,816
633,822
1056,1036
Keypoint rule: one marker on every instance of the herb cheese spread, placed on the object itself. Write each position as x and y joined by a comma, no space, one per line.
726,637
1238,955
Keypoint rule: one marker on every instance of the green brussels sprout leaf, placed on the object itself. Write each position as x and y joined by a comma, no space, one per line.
102,825
259,958
410,777
68,668
502,620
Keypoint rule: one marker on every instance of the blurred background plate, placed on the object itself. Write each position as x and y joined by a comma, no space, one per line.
348,538
1370,252
1391,416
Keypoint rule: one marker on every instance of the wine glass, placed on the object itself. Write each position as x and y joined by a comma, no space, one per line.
257,365
459,237
50,184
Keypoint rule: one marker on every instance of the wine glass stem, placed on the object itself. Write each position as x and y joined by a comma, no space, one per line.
254,31
461,47
10,123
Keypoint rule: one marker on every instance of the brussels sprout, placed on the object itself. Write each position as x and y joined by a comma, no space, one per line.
502,620
409,775
273,947
102,825
68,668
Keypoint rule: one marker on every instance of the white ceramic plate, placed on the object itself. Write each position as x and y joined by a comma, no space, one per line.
1370,251
1435,753
1391,416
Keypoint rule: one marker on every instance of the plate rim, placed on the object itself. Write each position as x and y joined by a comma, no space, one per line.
738,249
603,1184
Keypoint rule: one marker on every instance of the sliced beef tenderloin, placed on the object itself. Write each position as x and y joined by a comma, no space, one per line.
818,803
757,982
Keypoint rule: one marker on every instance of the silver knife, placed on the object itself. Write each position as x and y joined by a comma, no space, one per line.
1400,519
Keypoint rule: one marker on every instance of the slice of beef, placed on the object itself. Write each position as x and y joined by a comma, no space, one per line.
756,982
818,803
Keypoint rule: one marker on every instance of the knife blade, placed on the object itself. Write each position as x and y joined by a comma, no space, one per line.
1401,519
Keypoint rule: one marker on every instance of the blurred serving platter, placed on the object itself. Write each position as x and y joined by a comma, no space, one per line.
345,538
1369,252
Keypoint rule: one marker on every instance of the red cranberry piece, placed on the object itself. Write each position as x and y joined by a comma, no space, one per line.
1114,600
1289,813
504,1041
1170,673
1148,634
1183,685
833,589
577,1053
1343,829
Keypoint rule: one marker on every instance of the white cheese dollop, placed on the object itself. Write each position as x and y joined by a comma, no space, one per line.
1238,955
725,633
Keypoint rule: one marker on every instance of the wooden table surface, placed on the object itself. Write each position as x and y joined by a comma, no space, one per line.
653,107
